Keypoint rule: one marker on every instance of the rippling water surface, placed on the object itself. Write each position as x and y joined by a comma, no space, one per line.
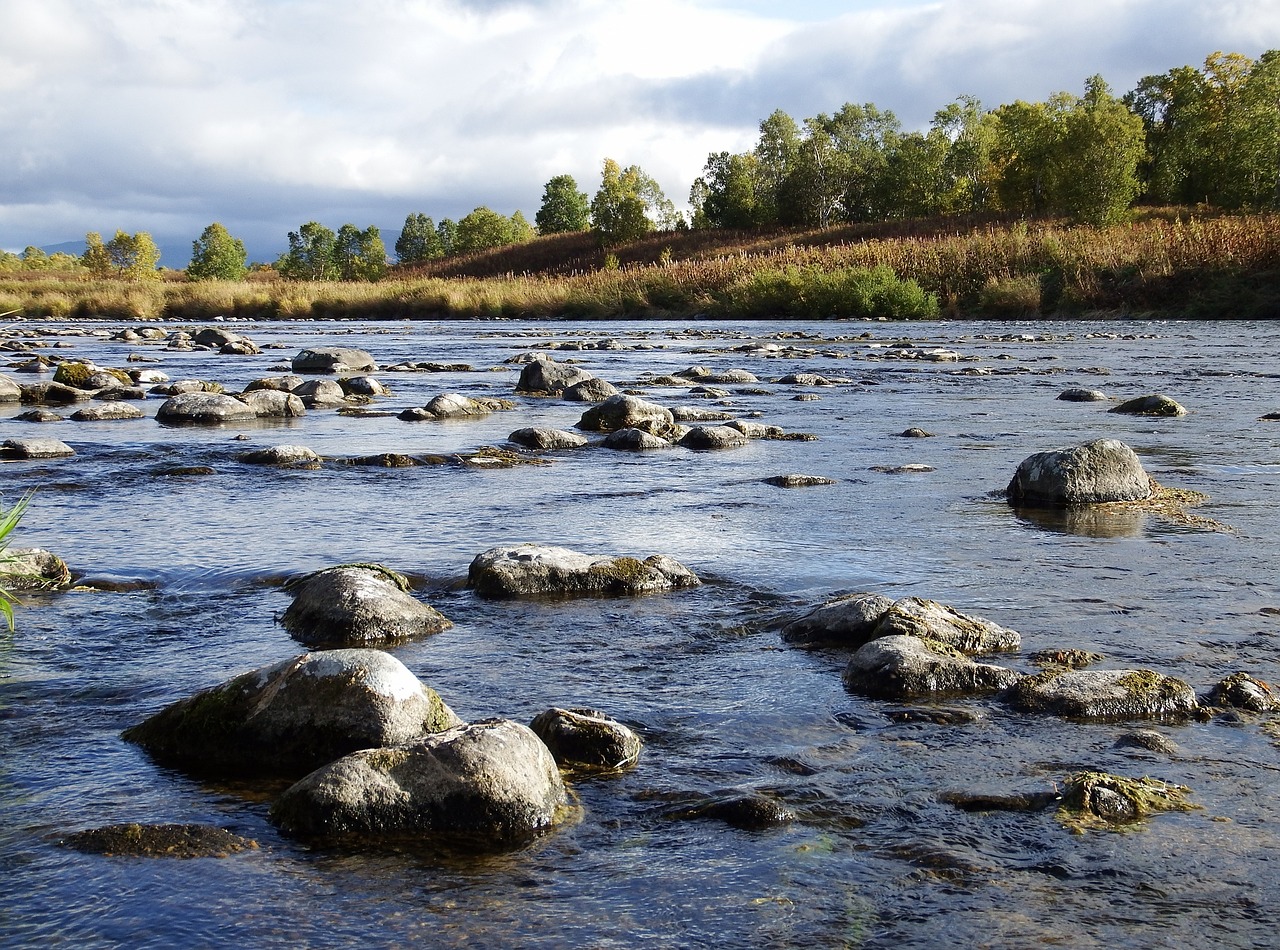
874,858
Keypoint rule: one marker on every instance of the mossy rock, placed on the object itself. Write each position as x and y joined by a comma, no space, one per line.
1099,799
159,841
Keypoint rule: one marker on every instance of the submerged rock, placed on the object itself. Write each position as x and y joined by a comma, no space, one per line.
1156,404
1098,798
797,480
487,784
523,570
357,605
747,812
1104,470
1103,694
587,739
159,841
294,716
904,667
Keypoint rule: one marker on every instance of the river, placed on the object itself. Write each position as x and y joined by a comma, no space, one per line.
875,856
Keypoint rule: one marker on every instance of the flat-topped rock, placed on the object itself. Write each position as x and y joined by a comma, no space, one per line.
203,408
333,359
522,570
1103,694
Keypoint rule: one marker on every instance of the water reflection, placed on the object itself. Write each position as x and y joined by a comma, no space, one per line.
1089,521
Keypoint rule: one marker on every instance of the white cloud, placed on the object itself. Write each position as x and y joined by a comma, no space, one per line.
267,113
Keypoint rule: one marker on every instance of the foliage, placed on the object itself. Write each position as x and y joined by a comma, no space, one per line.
814,293
418,240
564,208
124,257
629,204
217,256
310,255
359,255
484,228
8,522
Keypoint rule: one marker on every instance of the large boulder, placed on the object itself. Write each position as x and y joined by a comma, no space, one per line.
1104,695
201,408
624,412
333,359
357,604
1104,470
848,621
930,620
587,739
714,437
903,667
633,440
292,717
488,784
1157,404
297,455
590,390
320,393
523,570
284,384
35,449
225,341
544,377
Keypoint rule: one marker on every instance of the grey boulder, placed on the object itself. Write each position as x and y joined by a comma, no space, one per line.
523,570
930,620
714,437
203,408
489,784
354,605
903,667
281,455
622,412
590,390
1157,404
848,621
107,411
35,449
1103,695
541,376
292,717
273,404
537,437
587,739
333,359
1104,470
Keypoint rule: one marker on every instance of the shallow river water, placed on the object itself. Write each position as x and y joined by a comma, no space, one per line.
875,857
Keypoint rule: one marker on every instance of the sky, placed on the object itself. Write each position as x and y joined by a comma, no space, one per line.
167,115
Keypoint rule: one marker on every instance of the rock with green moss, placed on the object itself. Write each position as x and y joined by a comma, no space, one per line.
930,620
159,841
1242,691
1156,404
33,569
357,605
524,570
490,784
87,376
587,739
1104,695
287,719
1091,799
904,667
1101,471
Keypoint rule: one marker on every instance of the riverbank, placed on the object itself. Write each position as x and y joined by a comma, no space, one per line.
1171,265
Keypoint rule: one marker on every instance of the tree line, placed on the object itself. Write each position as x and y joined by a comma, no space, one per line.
1189,136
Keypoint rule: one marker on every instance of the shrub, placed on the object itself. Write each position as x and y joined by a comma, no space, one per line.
814,293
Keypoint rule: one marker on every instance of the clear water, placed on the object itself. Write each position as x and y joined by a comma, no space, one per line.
874,857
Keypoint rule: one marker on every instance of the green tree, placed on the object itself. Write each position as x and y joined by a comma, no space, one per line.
310,255
418,240
359,255
725,195
33,258
968,172
1027,147
125,256
629,204
913,182
485,228
1101,145
775,154
217,256
447,231
564,208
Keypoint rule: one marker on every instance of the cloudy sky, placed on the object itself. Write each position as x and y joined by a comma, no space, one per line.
166,115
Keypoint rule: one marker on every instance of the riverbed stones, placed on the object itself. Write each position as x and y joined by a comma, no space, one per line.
294,716
26,449
587,739
1107,695
1101,471
274,404
488,784
33,569
1156,404
904,667
525,570
357,605
544,377
204,408
624,412
333,359
546,439
10,391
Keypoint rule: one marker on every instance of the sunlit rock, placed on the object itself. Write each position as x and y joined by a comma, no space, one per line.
1156,404
587,739
536,569
32,569
1104,470
364,605
488,784
848,621
35,449
202,408
623,412
333,359
930,620
714,437
541,376
294,716
590,390
1103,694
281,455
903,667
547,439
